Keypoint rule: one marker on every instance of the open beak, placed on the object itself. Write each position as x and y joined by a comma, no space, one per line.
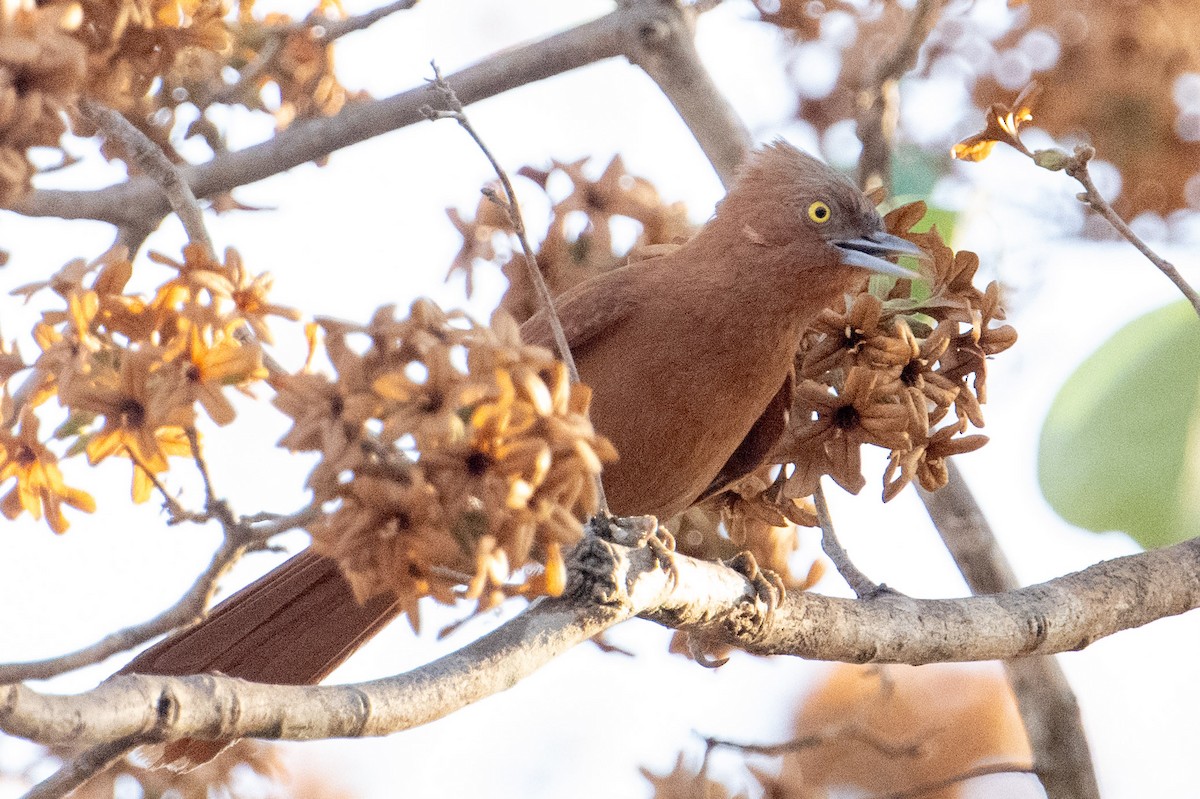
868,253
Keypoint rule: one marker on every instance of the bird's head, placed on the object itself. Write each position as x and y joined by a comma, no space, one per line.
784,197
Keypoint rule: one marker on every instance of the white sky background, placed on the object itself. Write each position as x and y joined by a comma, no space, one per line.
370,229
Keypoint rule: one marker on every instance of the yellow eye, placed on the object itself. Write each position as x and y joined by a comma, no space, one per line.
819,212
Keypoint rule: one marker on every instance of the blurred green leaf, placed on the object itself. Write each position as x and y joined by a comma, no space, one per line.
1120,448
915,170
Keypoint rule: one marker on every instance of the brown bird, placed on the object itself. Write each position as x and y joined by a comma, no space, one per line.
689,356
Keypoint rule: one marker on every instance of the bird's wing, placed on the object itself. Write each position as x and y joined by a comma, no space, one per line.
587,310
759,442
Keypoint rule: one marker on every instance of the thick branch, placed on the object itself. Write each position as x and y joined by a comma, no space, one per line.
658,37
1047,704
609,584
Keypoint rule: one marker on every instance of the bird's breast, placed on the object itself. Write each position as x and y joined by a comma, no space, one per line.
677,395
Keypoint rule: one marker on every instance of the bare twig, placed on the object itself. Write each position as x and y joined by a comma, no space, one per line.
969,774
509,203
190,608
1046,702
334,29
862,585
251,72
1077,167
151,159
322,29
853,733
201,466
512,208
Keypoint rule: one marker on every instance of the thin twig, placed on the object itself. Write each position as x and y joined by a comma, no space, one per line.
511,207
334,29
190,608
1077,167
201,466
154,162
251,72
322,29
970,774
862,585
886,748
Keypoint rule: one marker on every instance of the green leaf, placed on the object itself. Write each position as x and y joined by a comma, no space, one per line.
1120,448
915,170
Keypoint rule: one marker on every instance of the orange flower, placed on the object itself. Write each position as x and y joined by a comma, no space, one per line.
39,487
145,408
1003,125
209,367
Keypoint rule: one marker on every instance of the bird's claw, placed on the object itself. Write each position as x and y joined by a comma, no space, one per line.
769,594
639,531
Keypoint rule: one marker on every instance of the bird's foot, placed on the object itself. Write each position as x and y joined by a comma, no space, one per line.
592,572
758,613
638,531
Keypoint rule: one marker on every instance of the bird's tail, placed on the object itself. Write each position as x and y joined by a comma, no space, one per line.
293,627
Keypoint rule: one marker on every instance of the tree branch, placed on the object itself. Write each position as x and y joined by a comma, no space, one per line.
190,609
658,36
610,583
1047,704
878,98
309,140
150,158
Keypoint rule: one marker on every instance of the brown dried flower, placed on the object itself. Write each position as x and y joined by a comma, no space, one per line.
456,455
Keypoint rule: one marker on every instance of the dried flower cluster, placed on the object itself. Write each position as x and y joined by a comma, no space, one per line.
148,59
130,371
42,69
579,241
150,63
887,369
451,454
